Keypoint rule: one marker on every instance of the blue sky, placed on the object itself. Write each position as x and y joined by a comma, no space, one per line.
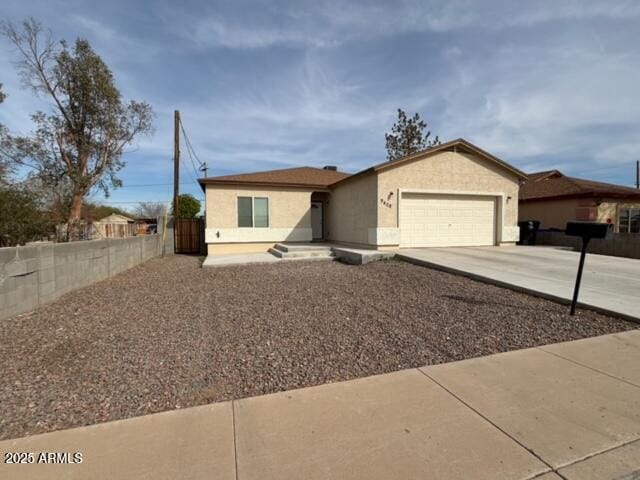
276,84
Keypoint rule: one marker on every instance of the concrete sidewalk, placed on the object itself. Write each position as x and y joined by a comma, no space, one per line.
564,411
609,284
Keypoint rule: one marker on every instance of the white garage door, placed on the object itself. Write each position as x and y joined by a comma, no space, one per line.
429,220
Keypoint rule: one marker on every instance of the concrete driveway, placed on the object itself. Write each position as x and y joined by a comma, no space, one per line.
609,284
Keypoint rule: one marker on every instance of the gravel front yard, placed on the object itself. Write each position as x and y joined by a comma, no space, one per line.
168,334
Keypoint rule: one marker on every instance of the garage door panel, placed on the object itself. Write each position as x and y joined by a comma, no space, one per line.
430,220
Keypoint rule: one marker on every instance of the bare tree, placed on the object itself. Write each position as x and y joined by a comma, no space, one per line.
150,210
80,142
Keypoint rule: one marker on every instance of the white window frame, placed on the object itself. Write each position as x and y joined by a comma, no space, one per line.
630,211
253,210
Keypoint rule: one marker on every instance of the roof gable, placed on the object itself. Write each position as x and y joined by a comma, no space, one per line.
116,218
460,145
554,184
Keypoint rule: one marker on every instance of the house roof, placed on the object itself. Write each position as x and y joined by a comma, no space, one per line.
458,145
554,184
116,218
311,177
288,177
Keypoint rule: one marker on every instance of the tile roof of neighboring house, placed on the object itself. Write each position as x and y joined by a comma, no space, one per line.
554,184
292,177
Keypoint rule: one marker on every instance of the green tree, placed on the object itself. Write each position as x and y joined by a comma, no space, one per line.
79,143
22,218
408,136
188,206
95,211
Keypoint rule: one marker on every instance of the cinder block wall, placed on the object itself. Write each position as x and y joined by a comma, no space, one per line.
621,245
43,271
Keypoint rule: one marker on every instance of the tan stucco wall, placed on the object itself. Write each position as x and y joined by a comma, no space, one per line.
450,172
287,207
556,213
360,211
352,210
551,213
610,209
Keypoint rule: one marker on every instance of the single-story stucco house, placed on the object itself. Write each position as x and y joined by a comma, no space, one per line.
555,199
453,194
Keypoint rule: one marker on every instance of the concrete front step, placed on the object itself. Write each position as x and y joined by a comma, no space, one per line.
320,253
306,247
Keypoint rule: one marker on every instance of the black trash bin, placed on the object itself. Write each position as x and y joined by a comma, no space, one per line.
528,232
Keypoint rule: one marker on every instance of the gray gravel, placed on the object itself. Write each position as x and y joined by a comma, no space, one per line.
168,334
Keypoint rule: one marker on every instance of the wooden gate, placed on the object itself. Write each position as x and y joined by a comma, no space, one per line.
190,236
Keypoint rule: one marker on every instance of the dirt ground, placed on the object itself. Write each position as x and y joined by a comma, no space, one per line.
169,334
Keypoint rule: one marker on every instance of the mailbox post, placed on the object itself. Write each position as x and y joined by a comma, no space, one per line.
587,231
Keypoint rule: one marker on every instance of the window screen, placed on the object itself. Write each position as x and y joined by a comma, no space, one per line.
261,213
245,212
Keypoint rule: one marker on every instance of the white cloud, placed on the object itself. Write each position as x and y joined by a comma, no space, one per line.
543,84
331,23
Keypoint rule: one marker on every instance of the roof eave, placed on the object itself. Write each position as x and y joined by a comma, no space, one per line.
204,182
567,196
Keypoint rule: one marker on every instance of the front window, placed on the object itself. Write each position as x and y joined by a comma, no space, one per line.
629,220
245,212
260,212
253,212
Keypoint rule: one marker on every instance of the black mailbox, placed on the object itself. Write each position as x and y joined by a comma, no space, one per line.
589,230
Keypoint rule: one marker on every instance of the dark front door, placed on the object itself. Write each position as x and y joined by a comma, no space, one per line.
317,215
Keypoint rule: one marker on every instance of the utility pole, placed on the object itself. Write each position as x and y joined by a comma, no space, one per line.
176,175
638,174
204,168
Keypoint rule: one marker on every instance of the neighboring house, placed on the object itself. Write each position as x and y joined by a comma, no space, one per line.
115,226
117,219
146,226
454,194
555,199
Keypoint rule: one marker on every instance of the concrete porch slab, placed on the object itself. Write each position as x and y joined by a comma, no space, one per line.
610,354
621,463
360,256
297,251
562,411
194,444
398,425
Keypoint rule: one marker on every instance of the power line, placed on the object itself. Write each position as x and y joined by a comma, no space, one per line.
188,142
195,179
151,185
192,153
189,149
